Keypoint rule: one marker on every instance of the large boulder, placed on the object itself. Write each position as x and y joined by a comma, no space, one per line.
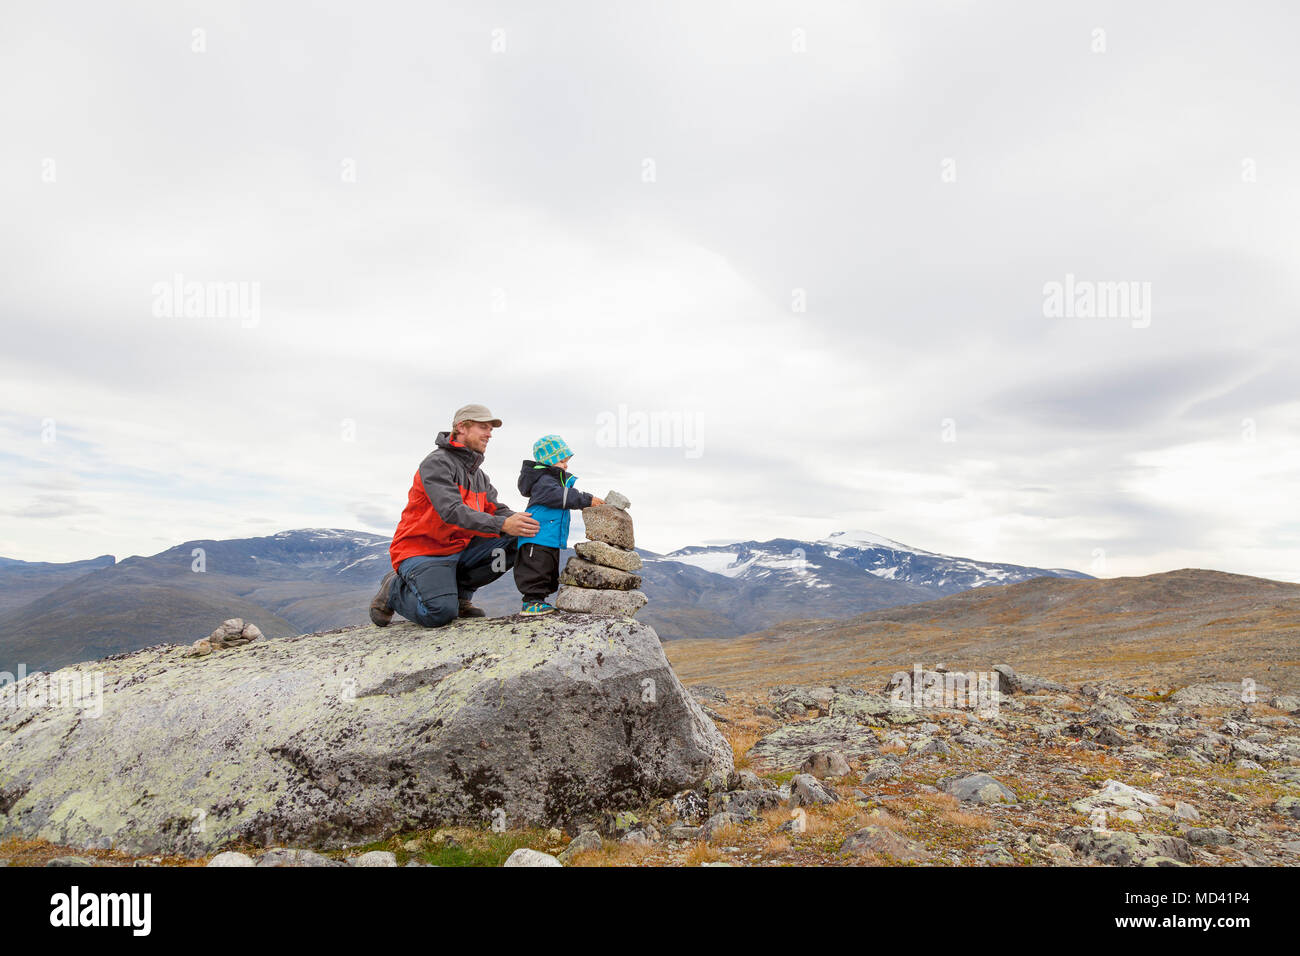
344,737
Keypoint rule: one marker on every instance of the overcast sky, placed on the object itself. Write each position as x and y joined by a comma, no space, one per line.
821,236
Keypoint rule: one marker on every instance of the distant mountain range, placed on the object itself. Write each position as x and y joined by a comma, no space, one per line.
314,579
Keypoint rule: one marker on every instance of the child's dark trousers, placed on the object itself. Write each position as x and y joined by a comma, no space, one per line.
537,571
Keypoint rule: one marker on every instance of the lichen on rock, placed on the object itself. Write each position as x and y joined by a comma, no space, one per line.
347,736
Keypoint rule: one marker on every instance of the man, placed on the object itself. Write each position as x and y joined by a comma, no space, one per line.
454,536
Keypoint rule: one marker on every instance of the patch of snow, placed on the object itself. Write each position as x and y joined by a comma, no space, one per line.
368,557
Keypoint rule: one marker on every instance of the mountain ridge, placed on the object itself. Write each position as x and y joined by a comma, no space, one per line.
309,579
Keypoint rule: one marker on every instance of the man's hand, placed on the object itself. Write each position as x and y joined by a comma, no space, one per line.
520,525
596,501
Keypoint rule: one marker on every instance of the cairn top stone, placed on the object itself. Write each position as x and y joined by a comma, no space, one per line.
616,499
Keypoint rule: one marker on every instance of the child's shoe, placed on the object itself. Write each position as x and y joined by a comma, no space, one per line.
537,607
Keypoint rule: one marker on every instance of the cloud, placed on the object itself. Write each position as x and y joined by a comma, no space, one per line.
821,230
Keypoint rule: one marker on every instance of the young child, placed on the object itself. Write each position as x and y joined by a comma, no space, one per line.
551,496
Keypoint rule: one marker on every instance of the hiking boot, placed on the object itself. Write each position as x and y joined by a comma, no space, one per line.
469,610
381,612
537,607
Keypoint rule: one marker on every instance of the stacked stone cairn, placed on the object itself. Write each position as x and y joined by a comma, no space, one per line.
599,578
231,633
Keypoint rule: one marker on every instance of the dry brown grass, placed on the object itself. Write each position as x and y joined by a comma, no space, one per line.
20,852
741,741
944,800
611,854
972,821
885,819
703,853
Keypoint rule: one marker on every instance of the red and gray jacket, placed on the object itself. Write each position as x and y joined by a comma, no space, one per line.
451,502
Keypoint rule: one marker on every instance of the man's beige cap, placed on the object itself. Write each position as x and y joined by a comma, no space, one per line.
475,413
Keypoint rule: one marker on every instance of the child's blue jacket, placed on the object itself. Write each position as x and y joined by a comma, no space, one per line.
551,496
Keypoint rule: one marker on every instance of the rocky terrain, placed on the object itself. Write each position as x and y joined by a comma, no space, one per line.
1056,775
1140,721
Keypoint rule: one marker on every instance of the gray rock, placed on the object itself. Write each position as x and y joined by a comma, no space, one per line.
598,552
977,788
1221,694
580,573
71,861
616,825
883,840
592,601
1110,737
609,524
807,791
279,856
881,769
685,833
1120,848
1207,836
994,855
637,838
231,858
745,803
617,500
1012,683
786,748
711,831
346,737
826,763
1288,806
744,780
1109,709
583,843
973,740
689,806
1185,811
1245,750
374,858
609,556
526,857
1116,794
931,746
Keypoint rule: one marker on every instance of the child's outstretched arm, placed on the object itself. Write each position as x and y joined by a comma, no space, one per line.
549,493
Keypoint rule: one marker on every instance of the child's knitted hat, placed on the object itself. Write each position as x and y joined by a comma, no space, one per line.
550,450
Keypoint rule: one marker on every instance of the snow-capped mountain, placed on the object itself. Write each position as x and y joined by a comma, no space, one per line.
823,564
